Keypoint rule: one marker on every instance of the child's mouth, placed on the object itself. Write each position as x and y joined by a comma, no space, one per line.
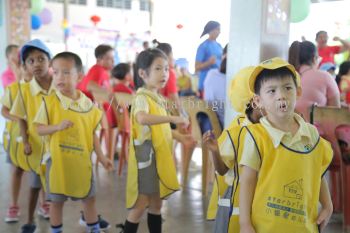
282,106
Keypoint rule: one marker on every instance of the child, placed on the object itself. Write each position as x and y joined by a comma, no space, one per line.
282,178
184,83
14,149
122,73
151,168
35,56
223,205
71,119
344,81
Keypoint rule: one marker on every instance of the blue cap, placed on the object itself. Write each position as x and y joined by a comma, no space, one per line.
327,66
38,44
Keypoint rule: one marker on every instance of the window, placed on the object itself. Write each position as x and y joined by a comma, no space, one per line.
78,2
121,4
144,5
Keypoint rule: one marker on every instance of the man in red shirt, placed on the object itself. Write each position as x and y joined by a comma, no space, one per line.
327,52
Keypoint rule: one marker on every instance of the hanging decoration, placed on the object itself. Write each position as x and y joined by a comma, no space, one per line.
36,22
299,10
95,19
45,16
36,6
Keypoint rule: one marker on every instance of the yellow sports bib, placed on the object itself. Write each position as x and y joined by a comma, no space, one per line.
220,185
288,187
71,149
12,143
162,144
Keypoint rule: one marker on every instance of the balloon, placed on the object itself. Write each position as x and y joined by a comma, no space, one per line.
45,16
37,6
179,26
299,10
36,22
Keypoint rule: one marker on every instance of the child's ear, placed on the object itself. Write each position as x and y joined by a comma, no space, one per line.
257,101
299,92
141,73
80,76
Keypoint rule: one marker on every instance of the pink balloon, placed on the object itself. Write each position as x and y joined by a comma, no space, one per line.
45,16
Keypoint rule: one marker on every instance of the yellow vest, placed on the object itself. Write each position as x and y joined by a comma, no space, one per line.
12,134
288,187
31,106
162,145
71,149
235,133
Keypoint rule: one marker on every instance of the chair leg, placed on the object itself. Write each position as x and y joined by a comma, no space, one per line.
205,155
345,195
111,143
123,151
186,156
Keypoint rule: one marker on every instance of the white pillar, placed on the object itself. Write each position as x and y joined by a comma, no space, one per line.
259,29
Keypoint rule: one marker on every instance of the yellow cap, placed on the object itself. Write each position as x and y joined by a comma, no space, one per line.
239,93
272,64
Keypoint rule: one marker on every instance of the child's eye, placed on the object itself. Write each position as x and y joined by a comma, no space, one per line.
271,91
66,73
289,88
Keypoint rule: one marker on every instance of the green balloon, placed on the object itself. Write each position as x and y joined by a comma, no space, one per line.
299,10
37,6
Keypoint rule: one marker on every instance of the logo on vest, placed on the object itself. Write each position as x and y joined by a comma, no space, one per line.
294,189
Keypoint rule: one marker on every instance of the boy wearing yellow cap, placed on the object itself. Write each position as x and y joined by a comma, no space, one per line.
223,205
282,178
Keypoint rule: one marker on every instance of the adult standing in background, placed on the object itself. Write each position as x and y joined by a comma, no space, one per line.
13,65
317,86
208,54
327,52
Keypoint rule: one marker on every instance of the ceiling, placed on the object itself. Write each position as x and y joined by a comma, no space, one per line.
318,1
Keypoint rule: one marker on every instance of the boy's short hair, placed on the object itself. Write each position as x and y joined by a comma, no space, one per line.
33,45
72,57
266,75
120,71
272,68
9,49
101,50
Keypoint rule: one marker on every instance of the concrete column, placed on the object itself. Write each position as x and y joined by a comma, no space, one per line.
259,29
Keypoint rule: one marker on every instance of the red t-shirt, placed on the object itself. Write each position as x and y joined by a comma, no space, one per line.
99,75
120,87
327,53
170,87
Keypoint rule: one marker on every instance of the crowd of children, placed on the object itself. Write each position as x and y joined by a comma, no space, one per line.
270,164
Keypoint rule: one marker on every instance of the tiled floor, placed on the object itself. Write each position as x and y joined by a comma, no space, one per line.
183,212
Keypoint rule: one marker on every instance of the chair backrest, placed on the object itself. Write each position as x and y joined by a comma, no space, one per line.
193,106
121,110
327,120
100,96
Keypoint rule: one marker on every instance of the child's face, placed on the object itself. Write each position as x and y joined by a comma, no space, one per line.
157,75
13,56
277,97
65,75
37,64
108,60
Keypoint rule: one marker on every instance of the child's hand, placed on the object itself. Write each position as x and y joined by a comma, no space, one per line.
247,229
188,141
180,120
210,141
212,60
65,124
27,148
323,217
107,164
336,38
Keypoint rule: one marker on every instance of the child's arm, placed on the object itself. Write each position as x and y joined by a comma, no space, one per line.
100,157
6,113
246,194
186,139
51,129
212,145
327,206
144,118
23,127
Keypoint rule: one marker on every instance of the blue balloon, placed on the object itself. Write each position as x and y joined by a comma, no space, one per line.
36,22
